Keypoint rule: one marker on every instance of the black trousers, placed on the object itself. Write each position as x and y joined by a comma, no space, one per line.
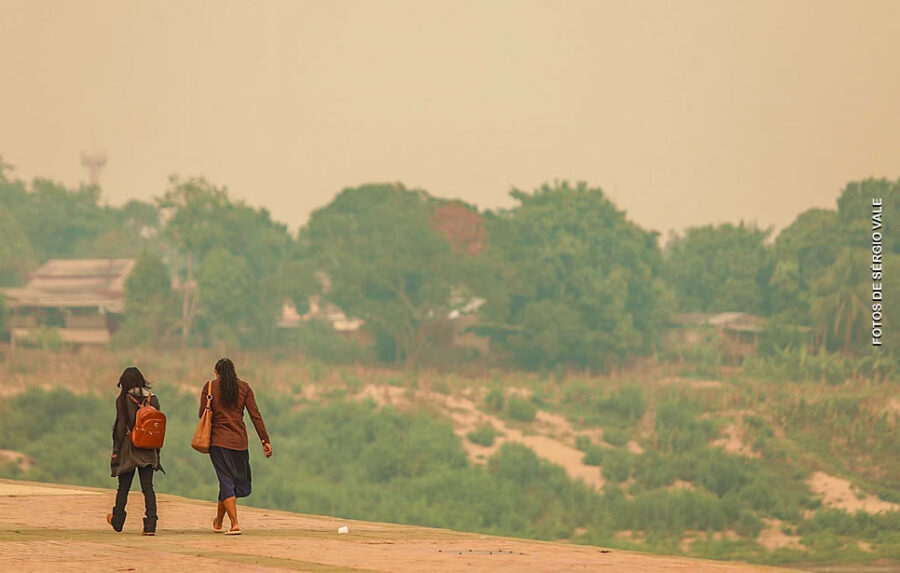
146,476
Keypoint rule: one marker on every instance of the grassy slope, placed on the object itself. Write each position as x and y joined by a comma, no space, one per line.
848,430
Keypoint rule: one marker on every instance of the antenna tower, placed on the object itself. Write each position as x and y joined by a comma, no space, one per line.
95,163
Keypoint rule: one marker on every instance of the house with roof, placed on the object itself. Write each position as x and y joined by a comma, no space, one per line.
81,299
736,333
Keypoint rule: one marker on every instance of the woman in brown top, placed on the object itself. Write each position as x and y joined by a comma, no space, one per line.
228,442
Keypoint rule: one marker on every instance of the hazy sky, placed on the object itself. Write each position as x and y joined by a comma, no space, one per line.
684,112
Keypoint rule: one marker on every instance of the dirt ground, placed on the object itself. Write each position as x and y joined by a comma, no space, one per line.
841,494
62,528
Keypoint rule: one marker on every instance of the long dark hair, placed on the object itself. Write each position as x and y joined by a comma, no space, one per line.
131,378
228,380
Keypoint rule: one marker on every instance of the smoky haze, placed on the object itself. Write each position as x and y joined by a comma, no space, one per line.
686,113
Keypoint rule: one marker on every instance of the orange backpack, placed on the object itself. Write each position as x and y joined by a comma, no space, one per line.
149,429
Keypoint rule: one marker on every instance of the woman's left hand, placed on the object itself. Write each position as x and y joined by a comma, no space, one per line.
267,448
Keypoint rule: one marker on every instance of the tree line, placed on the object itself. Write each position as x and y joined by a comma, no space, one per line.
565,278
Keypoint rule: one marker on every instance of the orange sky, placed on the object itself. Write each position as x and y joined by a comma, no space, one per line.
684,112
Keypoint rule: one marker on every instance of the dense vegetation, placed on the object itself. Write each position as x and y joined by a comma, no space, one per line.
350,458
568,280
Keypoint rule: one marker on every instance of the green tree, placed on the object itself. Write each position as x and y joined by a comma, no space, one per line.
224,285
714,269
3,312
61,223
574,281
199,218
16,253
151,307
855,212
841,308
57,220
386,263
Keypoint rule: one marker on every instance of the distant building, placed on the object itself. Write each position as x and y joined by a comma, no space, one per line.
328,312
737,333
81,299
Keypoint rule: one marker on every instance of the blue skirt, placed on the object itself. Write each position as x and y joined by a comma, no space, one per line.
233,470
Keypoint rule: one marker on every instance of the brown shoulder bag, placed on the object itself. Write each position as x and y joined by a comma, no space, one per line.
203,434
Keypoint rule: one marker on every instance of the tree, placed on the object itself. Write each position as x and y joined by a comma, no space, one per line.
223,285
715,269
385,262
191,208
3,311
151,308
16,253
57,220
574,281
842,299
855,212
200,218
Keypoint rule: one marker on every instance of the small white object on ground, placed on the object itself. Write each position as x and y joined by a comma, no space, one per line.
343,529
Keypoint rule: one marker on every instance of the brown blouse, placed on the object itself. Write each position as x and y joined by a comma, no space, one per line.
228,429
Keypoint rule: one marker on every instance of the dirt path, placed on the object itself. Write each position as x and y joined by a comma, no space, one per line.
36,536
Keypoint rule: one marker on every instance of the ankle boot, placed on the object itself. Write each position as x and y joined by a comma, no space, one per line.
118,519
150,526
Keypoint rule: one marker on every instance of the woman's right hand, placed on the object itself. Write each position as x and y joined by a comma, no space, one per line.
267,448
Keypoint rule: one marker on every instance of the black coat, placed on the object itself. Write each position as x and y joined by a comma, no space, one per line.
126,457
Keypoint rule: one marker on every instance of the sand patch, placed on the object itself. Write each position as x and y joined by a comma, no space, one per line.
12,489
693,536
24,462
733,442
691,383
557,447
841,494
773,537
680,485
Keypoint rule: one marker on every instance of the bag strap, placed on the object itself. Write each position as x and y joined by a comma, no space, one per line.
138,403
209,395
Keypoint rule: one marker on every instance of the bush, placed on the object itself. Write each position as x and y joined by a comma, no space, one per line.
616,436
652,470
319,341
521,410
483,435
495,400
616,465
593,455
582,443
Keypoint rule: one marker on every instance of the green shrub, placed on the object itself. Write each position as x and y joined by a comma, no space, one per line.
653,470
441,387
483,435
616,436
582,442
494,400
593,455
318,340
616,465
749,525
521,410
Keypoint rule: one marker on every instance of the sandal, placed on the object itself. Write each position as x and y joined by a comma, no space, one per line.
220,529
233,532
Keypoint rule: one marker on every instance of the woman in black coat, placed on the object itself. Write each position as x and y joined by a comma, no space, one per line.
126,458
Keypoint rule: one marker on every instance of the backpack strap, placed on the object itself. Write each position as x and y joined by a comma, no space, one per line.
140,403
